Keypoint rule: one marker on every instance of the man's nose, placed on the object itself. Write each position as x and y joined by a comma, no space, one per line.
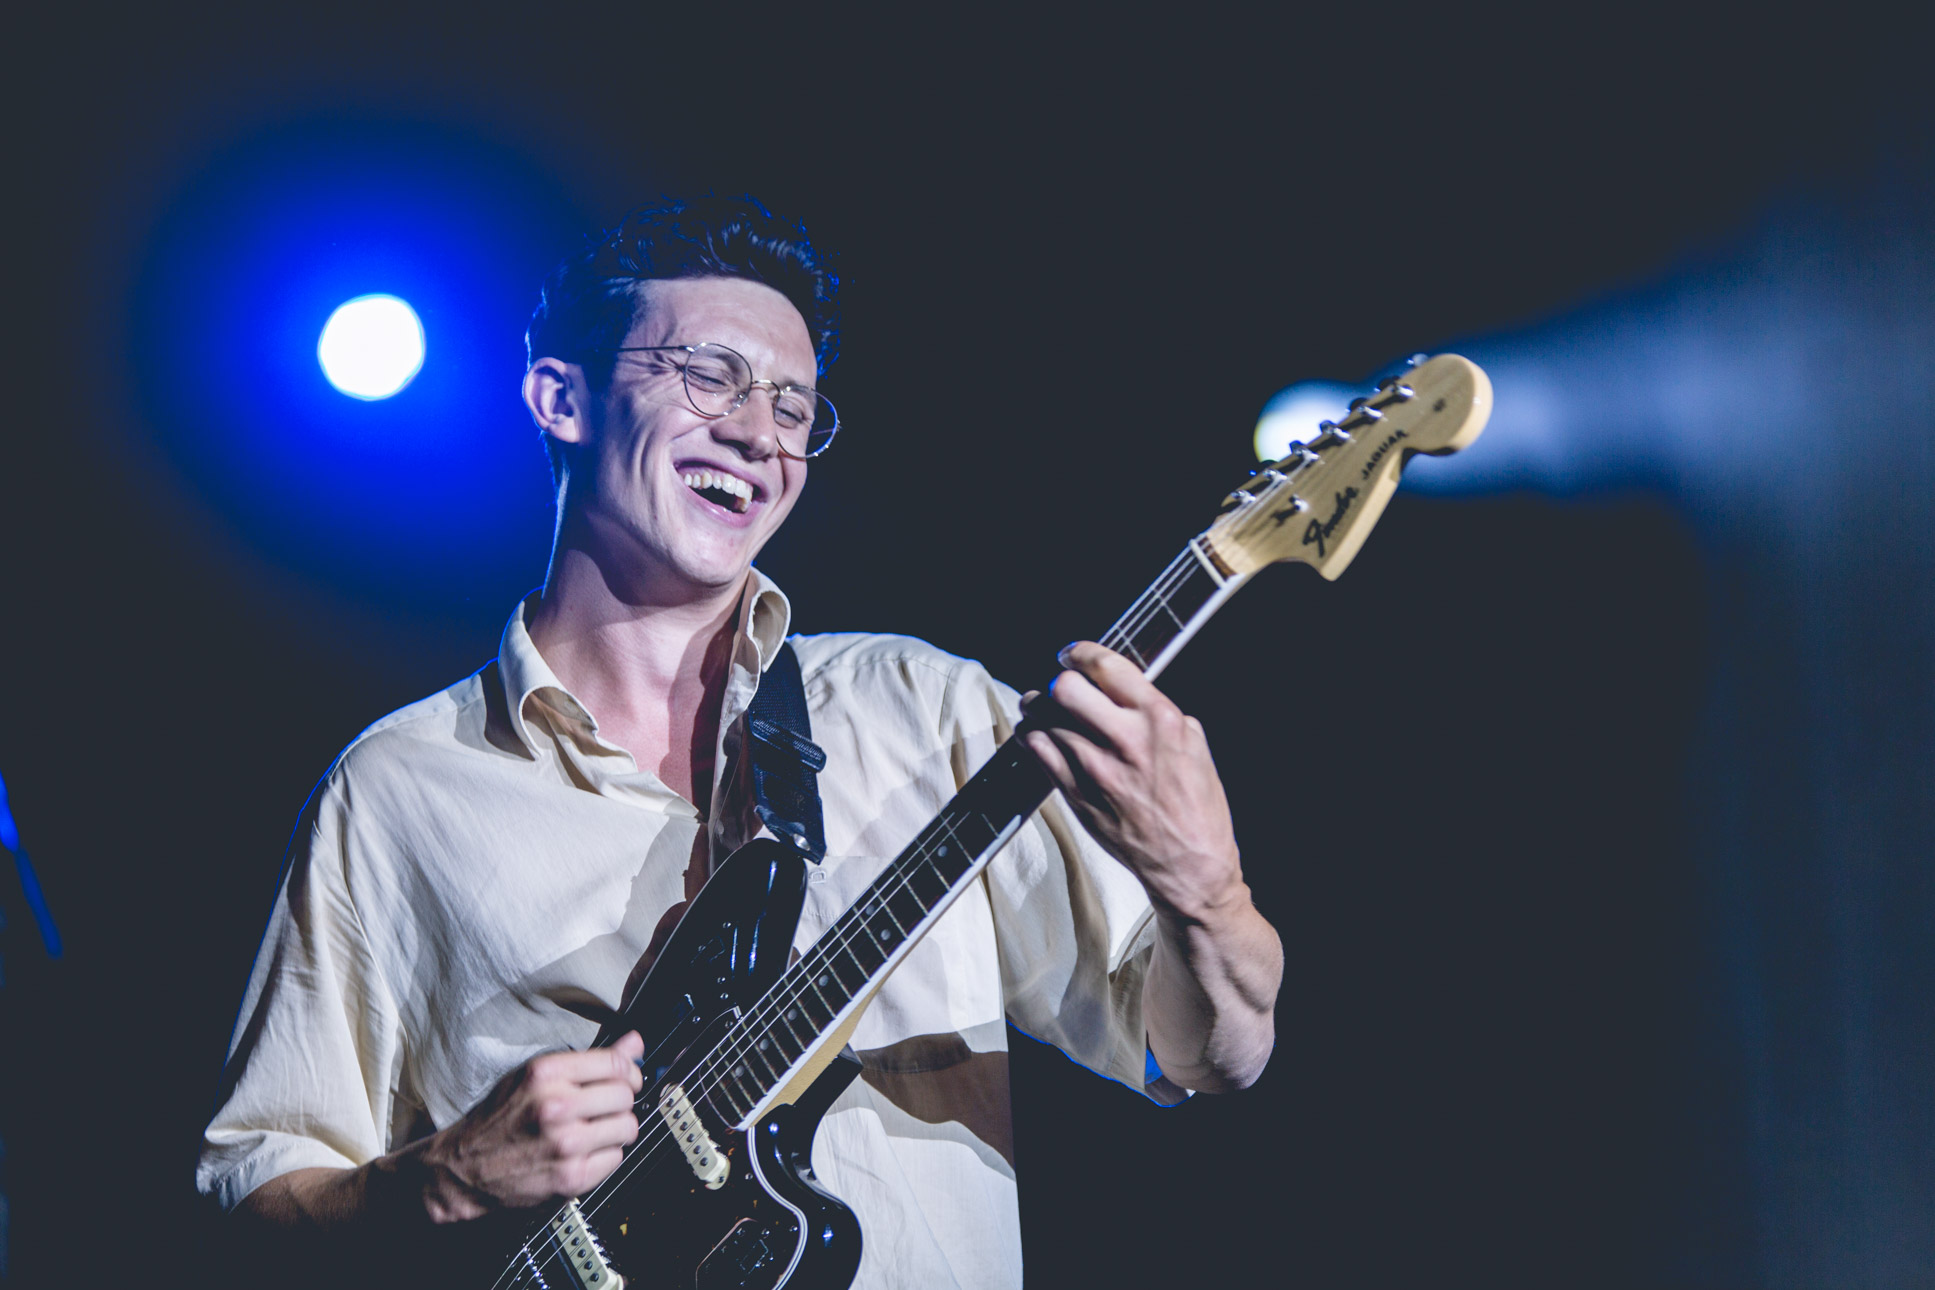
749,427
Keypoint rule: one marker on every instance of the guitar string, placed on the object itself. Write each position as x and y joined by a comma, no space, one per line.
1153,600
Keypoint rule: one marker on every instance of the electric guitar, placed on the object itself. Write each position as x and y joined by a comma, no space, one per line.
743,1048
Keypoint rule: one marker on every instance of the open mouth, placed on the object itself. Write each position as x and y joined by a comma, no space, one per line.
721,489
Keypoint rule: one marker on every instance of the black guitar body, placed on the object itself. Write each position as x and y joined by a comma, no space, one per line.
769,1223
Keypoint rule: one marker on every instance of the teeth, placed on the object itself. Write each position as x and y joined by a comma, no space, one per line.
738,489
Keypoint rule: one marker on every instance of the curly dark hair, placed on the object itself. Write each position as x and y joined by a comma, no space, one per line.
588,302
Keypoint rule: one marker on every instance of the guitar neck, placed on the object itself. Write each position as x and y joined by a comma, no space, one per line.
786,1038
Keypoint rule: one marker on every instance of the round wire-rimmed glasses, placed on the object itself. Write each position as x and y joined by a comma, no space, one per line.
719,380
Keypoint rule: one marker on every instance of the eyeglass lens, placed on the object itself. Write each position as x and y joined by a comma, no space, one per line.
717,380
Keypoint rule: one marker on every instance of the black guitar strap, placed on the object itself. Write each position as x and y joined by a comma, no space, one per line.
786,763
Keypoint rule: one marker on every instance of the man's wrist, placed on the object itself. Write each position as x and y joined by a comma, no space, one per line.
417,1187
1205,903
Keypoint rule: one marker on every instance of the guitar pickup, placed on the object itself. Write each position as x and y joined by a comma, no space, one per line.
581,1248
701,1152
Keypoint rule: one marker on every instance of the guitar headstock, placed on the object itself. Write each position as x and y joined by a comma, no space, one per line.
1319,503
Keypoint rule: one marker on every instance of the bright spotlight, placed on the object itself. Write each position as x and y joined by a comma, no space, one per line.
1292,416
371,347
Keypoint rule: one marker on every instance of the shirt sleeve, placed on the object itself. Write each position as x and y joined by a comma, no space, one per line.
311,1071
1074,929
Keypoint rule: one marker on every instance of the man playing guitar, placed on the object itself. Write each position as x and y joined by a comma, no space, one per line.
480,874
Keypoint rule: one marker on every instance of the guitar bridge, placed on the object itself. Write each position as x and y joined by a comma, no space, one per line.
581,1248
701,1152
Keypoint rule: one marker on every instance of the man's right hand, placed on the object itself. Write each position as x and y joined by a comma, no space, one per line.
555,1127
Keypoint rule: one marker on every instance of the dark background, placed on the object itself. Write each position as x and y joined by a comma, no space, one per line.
1594,805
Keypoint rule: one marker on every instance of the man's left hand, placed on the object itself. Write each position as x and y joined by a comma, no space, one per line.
1139,774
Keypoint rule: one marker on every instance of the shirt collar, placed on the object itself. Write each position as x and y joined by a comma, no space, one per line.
765,614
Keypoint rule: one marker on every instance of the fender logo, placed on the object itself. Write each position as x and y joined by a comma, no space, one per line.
1370,462
1320,530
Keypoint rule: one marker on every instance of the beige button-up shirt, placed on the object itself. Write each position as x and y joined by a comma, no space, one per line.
478,861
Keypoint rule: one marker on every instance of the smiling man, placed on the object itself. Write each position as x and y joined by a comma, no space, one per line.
481,874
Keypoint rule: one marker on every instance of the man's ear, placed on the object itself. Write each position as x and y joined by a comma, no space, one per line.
558,399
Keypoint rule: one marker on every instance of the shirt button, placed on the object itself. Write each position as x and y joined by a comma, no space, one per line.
818,875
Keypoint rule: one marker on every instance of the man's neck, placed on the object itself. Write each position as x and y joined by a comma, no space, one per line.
650,663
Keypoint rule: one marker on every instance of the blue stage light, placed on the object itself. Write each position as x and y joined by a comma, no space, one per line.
371,347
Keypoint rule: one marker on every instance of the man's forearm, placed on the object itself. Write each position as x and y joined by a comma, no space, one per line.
336,1201
346,1208
1210,997
323,1226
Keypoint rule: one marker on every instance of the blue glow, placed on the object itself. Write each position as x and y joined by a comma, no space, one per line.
435,501
371,347
1292,415
9,832
29,880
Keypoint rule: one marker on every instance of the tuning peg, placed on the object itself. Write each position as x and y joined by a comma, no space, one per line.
1416,359
1336,431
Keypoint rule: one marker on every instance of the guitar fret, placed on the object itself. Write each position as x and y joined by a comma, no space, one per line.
816,1016
819,983
762,1050
881,933
1165,610
833,966
929,877
787,1017
729,1105
887,908
737,1099
855,945
906,909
